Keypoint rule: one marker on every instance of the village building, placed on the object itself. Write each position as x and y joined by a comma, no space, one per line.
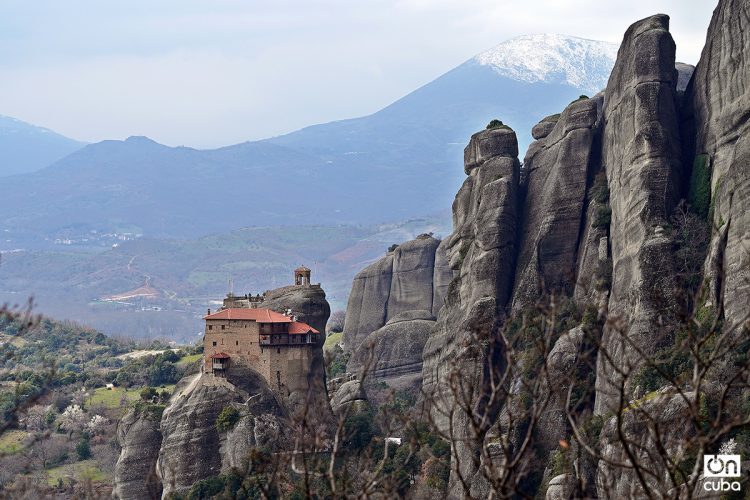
276,345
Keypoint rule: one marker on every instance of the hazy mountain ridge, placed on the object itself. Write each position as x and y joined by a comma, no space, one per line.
399,159
25,147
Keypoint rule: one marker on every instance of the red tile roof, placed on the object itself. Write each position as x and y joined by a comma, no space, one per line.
260,315
220,355
299,327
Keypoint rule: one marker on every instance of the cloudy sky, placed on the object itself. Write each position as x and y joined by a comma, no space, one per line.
210,73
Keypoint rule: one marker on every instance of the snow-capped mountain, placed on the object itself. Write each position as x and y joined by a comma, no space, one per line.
400,162
550,58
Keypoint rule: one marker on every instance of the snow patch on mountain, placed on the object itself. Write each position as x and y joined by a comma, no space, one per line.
549,58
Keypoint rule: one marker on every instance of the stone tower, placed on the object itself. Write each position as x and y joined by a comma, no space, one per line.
302,276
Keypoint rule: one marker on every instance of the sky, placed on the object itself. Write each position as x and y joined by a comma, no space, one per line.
206,73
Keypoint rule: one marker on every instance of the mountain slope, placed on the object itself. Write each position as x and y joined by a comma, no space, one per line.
26,148
389,166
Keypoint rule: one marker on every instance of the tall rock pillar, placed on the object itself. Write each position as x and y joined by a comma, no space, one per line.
641,155
481,253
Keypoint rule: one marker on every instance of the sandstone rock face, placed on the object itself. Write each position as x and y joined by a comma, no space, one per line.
719,99
349,393
481,253
261,424
684,74
391,312
671,415
441,279
367,308
192,448
393,353
556,176
544,127
561,361
135,473
412,278
561,487
641,155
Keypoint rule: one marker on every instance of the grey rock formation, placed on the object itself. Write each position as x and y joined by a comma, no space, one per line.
140,440
670,413
555,175
192,447
561,487
684,74
641,155
367,308
413,271
391,312
393,355
404,280
561,361
349,393
441,279
719,100
261,425
544,127
481,253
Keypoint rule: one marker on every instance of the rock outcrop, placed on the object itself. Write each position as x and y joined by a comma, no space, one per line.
412,277
140,440
367,308
556,173
718,98
192,447
481,252
393,354
641,153
674,421
391,313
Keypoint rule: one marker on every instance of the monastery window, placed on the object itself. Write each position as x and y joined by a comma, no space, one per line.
214,343
222,327
236,342
210,327
278,351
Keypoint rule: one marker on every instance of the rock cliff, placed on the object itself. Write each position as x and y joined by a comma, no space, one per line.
192,447
590,219
718,98
556,172
391,312
140,439
411,277
481,252
641,154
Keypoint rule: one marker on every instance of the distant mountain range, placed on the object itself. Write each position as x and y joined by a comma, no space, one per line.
118,215
25,148
400,162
